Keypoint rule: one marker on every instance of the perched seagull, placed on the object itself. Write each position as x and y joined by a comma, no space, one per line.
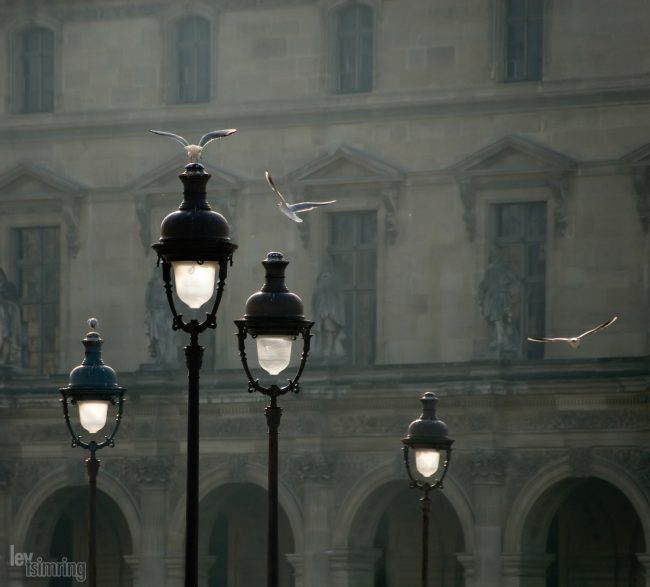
292,210
194,151
575,341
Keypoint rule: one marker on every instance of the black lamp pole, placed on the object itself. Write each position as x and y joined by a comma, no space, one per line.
273,316
194,240
428,438
92,387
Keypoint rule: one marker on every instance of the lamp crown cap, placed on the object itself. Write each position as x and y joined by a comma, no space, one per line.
427,430
93,375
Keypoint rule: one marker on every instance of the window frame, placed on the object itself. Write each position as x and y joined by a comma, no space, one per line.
59,202
528,351
171,19
497,44
330,72
43,58
331,250
197,46
525,21
42,304
360,85
16,99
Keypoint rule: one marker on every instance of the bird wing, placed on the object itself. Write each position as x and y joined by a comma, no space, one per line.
603,325
558,339
269,179
304,206
289,213
215,134
171,135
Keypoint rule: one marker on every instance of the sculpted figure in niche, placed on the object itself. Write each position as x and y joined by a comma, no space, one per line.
499,293
329,317
10,325
163,348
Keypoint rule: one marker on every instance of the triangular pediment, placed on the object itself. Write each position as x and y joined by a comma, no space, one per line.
346,165
513,154
29,181
164,178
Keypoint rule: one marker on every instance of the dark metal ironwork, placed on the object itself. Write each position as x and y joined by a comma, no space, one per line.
274,310
427,432
194,232
92,380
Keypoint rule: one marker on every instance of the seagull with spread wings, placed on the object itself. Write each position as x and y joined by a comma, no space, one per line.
194,151
292,210
574,341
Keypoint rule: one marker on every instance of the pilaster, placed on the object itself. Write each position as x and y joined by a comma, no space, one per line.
525,570
353,567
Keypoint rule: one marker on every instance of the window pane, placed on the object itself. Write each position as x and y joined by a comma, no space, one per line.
38,70
520,245
38,272
367,228
341,227
193,60
509,222
536,261
536,220
366,268
353,250
355,48
524,28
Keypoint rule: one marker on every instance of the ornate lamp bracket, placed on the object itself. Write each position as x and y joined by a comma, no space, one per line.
273,390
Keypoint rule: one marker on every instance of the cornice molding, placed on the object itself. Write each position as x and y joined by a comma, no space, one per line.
326,110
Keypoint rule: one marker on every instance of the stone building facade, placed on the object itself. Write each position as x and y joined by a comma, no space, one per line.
490,160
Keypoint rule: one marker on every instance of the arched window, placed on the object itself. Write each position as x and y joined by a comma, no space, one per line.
524,32
193,60
37,65
354,48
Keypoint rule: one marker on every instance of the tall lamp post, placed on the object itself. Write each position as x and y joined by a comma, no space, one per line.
274,318
428,438
92,388
195,244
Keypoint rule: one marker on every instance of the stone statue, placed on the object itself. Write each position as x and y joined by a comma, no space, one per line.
10,324
499,293
163,348
329,317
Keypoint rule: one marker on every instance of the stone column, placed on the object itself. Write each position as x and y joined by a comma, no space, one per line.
315,471
133,562
175,571
15,576
488,472
644,559
153,474
468,560
525,570
298,564
352,567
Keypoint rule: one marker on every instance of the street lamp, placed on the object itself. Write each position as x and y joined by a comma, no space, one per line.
92,388
427,438
274,318
195,244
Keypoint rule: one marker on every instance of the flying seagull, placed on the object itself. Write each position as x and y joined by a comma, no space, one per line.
194,151
574,341
292,210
